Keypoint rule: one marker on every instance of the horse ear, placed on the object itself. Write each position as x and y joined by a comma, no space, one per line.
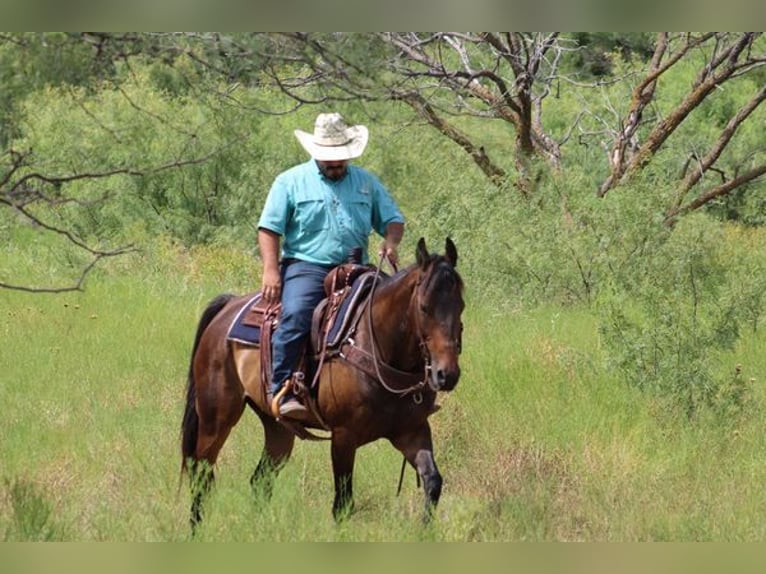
451,252
421,256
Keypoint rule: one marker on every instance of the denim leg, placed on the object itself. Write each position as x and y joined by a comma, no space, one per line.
302,290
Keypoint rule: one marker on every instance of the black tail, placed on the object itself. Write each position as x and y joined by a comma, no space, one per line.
190,423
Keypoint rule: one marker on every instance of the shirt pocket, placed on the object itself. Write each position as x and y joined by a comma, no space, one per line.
311,215
360,213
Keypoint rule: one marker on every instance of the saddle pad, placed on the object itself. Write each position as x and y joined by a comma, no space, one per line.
359,290
242,333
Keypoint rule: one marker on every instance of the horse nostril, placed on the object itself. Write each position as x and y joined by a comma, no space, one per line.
452,379
444,378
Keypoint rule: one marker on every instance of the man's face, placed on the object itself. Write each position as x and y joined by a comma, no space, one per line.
334,170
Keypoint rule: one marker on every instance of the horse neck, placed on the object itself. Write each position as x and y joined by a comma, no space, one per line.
394,329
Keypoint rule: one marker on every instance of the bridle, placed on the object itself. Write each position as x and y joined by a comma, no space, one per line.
426,356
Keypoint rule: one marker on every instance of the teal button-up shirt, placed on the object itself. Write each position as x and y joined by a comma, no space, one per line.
321,220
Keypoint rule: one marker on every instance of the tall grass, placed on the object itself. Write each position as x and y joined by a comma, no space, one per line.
539,441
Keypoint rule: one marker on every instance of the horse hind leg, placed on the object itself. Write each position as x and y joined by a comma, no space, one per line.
201,480
206,425
277,447
213,428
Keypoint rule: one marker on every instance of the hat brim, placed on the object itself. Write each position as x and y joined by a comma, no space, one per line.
353,149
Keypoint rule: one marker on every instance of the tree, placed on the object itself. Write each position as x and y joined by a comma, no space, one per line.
442,77
446,76
82,158
543,97
726,58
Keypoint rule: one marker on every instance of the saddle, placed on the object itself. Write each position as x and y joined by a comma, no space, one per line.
346,287
334,320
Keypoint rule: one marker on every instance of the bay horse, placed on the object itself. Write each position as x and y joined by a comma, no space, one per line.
409,336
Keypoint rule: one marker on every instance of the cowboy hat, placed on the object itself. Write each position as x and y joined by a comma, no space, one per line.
332,139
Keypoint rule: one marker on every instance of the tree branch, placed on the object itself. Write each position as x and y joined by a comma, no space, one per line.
719,69
704,164
715,192
78,285
426,111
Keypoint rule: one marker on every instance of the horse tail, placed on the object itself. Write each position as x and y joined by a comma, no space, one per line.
190,422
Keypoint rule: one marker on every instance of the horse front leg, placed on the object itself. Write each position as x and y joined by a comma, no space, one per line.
417,448
343,452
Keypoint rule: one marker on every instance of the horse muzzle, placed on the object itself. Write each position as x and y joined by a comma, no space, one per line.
443,379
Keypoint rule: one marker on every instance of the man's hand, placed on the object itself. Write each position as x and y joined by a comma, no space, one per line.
271,282
389,252
388,248
271,285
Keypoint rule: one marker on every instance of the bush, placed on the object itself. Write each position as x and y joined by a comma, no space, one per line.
665,324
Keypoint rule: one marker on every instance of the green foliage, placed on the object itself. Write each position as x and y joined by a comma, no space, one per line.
743,258
666,322
560,245
593,56
192,168
32,61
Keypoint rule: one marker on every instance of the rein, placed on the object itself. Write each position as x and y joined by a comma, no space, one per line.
378,364
369,362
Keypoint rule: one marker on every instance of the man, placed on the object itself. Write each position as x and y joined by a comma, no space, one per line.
319,210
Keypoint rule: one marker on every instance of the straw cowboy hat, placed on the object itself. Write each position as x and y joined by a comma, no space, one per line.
333,140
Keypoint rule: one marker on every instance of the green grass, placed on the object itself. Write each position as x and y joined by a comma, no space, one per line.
538,442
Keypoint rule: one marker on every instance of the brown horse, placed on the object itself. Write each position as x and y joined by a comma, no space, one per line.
383,384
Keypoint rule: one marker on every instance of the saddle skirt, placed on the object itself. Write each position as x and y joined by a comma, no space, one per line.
248,323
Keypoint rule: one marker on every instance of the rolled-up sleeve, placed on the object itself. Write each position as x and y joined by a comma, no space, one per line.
276,211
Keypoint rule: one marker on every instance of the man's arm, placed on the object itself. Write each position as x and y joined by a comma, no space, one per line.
394,234
271,282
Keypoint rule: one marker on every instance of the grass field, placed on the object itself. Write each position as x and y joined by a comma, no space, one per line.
539,442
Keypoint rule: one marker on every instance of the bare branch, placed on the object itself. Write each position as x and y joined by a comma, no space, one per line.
19,191
705,163
722,66
417,101
717,191
78,284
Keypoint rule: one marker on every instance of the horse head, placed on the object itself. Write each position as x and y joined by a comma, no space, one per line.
438,302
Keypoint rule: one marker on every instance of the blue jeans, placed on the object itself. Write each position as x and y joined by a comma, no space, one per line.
302,290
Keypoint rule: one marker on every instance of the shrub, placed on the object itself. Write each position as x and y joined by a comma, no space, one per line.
665,324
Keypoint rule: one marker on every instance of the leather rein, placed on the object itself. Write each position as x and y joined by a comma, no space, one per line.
390,378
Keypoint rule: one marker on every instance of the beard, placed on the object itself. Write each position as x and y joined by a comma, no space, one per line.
333,172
